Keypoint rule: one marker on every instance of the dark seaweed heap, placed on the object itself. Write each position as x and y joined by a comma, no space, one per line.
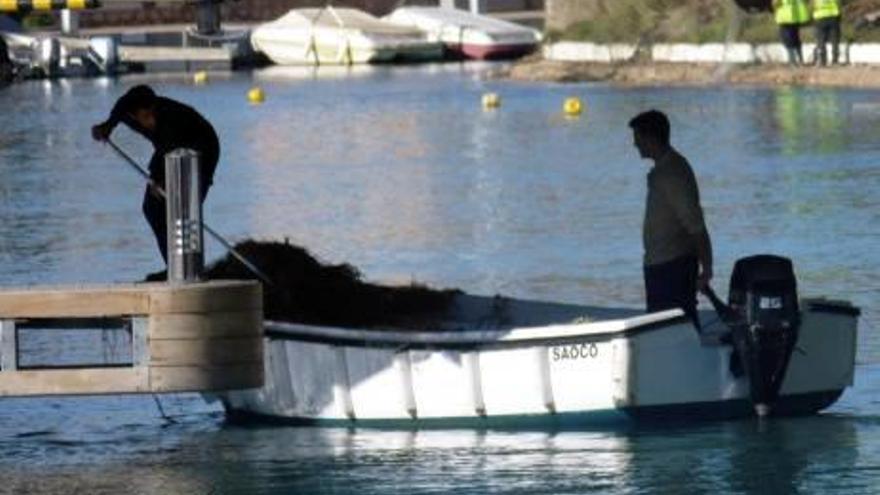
304,290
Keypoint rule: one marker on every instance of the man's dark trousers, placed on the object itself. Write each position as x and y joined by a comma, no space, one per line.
673,284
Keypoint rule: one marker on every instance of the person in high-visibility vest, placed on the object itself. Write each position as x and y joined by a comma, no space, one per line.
790,15
826,14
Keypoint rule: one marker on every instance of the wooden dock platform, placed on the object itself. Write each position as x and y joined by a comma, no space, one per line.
184,338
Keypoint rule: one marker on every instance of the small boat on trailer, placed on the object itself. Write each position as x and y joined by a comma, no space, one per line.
467,35
340,36
500,362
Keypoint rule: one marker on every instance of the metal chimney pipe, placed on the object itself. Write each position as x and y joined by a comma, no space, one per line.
208,17
184,216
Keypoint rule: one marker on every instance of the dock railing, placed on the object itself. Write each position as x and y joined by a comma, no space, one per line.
180,338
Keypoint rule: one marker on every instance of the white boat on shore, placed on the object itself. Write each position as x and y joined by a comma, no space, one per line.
499,362
329,35
469,35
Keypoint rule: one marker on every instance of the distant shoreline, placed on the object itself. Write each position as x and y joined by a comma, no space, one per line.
649,73
697,64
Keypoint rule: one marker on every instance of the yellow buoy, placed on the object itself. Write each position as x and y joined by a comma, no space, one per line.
573,106
491,101
200,77
256,96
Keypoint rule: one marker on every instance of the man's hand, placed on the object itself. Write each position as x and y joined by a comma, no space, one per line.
703,279
155,189
101,132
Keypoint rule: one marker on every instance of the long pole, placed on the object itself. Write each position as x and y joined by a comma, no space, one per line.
158,188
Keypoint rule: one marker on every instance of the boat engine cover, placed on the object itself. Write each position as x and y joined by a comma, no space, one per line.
763,291
764,288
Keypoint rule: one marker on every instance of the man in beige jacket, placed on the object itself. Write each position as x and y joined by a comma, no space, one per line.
678,251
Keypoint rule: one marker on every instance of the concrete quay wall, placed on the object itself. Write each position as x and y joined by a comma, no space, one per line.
736,53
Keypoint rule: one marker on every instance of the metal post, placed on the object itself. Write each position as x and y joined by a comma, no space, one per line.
184,215
478,6
49,56
69,22
208,17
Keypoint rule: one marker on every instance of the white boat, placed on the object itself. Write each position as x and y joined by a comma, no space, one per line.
469,35
329,35
499,362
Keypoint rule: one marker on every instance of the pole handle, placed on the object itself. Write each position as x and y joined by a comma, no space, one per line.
219,238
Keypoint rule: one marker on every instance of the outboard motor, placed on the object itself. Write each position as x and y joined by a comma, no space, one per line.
764,319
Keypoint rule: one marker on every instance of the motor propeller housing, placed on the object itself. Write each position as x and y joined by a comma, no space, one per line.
764,318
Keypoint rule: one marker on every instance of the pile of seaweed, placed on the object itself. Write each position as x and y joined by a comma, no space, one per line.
304,290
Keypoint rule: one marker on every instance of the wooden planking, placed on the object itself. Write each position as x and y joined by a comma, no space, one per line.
73,302
198,337
97,381
201,378
8,345
74,382
130,299
206,326
207,298
206,352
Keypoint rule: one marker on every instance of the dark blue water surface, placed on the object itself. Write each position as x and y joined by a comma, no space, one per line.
400,172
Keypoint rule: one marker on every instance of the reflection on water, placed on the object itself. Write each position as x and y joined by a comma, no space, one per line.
811,121
807,455
401,172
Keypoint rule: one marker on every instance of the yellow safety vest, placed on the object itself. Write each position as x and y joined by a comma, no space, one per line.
791,12
823,9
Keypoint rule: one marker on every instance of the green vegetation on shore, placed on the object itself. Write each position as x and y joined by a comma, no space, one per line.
700,21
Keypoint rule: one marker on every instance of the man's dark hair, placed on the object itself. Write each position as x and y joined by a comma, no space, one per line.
652,123
139,97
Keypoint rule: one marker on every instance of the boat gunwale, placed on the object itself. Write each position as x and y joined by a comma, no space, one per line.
821,305
437,19
558,334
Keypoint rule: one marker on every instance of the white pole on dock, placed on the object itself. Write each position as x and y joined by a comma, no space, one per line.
184,216
478,6
69,22
219,238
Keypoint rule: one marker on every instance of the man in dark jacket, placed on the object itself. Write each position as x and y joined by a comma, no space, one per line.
678,251
169,125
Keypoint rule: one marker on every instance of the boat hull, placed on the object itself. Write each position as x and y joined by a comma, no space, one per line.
299,52
340,37
621,367
489,52
791,406
467,35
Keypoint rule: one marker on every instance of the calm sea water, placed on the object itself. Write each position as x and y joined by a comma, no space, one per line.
400,172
